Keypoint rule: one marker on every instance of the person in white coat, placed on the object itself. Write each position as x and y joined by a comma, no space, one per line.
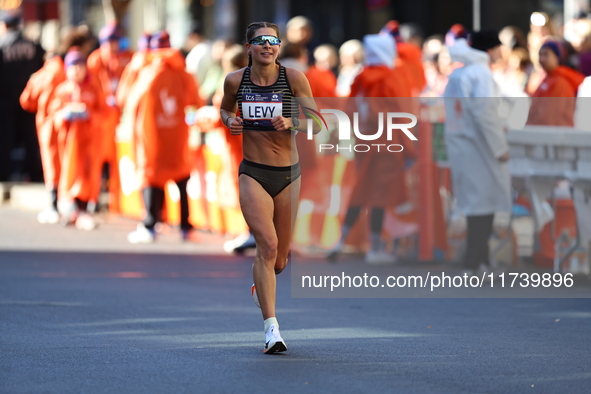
477,148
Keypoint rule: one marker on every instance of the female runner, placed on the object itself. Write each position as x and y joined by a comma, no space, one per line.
267,95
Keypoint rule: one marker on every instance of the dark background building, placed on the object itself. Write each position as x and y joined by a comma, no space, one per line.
335,21
338,21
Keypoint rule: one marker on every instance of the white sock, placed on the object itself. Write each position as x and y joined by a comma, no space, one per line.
269,322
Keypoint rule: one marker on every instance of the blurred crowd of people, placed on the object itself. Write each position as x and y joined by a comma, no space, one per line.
518,68
80,93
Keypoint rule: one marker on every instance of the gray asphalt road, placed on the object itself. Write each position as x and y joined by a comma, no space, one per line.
82,317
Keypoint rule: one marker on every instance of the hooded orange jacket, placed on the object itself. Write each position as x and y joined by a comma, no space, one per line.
410,59
380,175
322,82
139,60
36,98
77,139
553,103
389,84
161,139
108,70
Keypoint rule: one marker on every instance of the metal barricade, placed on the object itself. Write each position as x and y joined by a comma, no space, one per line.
543,155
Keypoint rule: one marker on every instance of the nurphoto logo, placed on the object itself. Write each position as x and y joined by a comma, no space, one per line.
344,130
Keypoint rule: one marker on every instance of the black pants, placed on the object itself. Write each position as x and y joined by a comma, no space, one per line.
154,202
376,218
478,233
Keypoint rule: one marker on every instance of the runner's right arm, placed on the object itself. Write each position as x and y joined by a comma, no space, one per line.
229,105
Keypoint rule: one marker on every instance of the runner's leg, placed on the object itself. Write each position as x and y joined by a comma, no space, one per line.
258,209
286,209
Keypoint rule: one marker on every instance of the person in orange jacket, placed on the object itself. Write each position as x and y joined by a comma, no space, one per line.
380,174
553,103
76,111
107,64
138,61
322,80
36,98
163,90
409,60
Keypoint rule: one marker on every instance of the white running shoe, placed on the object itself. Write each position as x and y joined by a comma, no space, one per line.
273,341
85,222
249,243
255,297
232,244
379,257
141,235
48,216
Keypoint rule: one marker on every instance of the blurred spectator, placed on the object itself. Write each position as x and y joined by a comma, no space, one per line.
199,58
107,64
294,56
36,98
432,46
437,65
476,144
163,91
512,37
513,68
234,58
76,110
351,59
299,30
19,58
409,59
323,81
560,82
541,27
517,72
214,77
578,33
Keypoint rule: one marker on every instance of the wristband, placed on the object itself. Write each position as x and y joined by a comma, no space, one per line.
229,127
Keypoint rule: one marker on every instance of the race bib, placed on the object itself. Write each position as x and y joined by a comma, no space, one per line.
259,108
